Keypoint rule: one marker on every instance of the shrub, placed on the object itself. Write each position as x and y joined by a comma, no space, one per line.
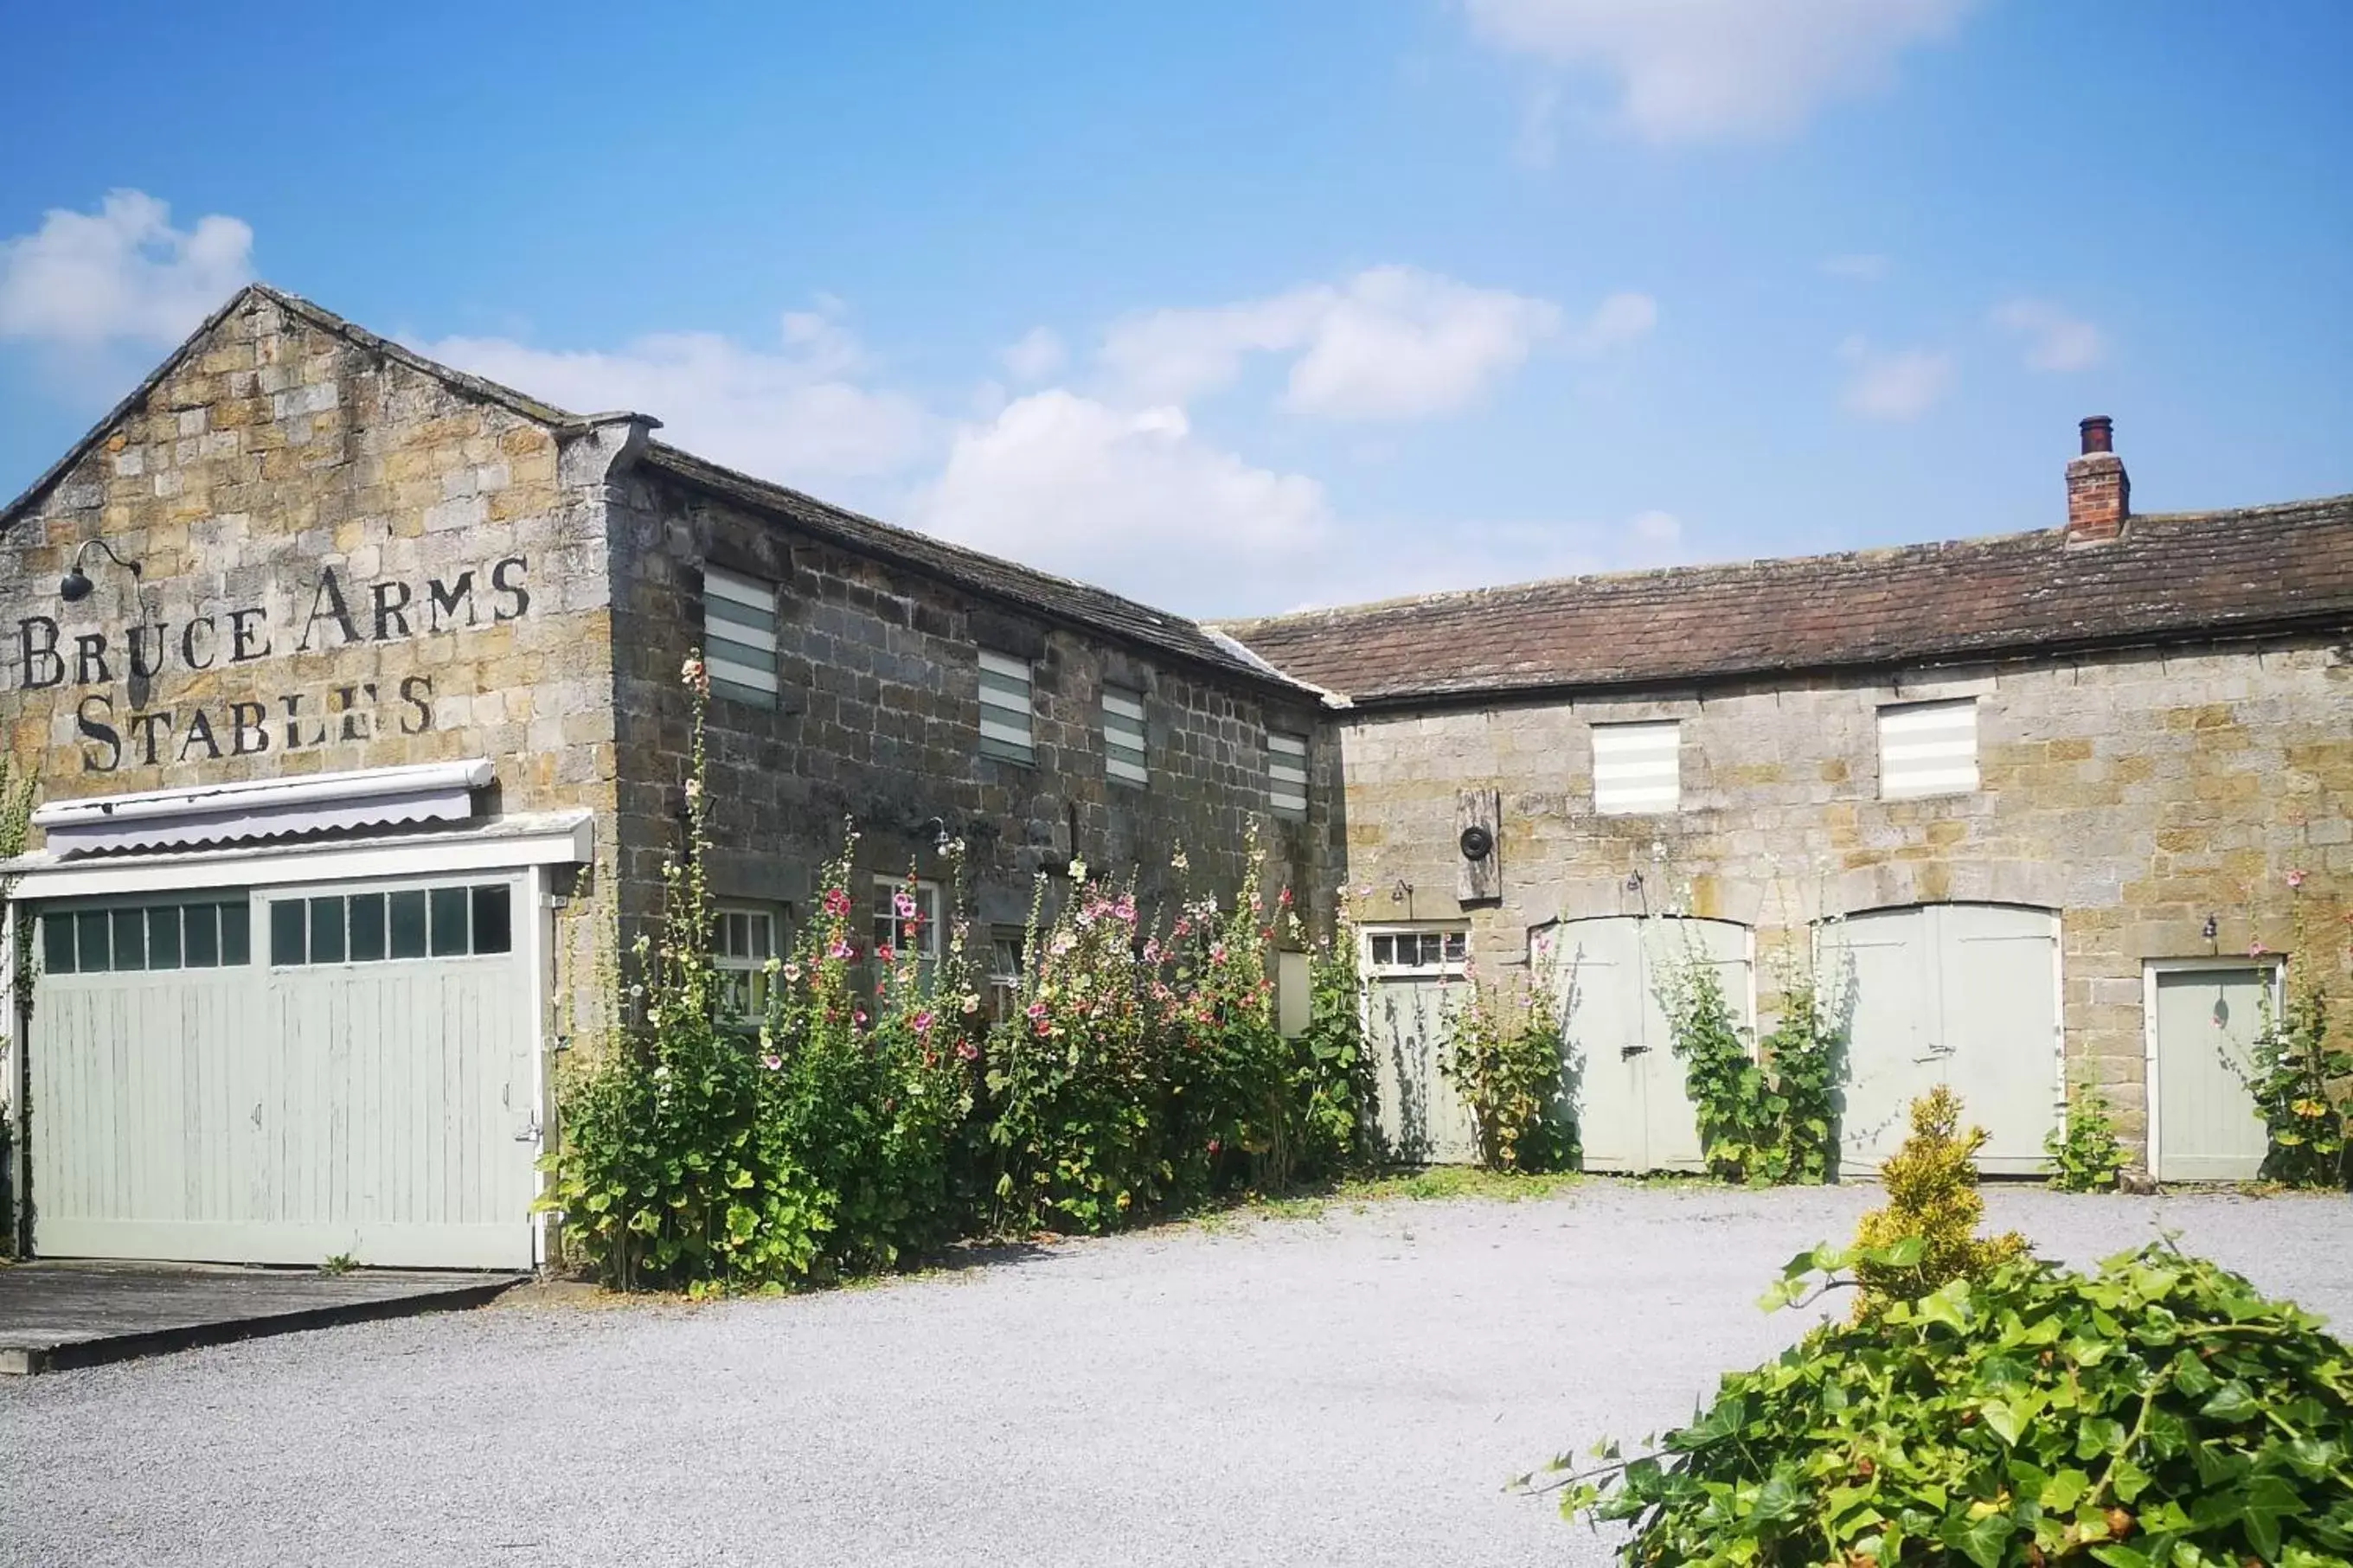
2159,1412
1331,1069
1739,1111
1504,1058
2295,1067
2086,1157
1226,1067
1932,1199
1805,1055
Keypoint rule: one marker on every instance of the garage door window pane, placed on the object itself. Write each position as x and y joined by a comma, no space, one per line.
202,924
492,930
367,927
236,933
408,925
130,938
327,931
163,937
448,922
91,946
289,920
57,944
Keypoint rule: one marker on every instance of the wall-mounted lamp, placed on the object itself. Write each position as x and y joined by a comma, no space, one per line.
1402,892
75,585
2212,927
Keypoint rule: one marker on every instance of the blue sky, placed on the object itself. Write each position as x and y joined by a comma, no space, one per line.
1239,307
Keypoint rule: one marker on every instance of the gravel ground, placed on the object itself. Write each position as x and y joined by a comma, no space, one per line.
1354,1388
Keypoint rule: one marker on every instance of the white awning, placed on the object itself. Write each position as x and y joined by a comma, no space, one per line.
262,808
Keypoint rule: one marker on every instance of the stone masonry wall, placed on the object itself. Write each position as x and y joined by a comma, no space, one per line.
879,722
2137,792
347,563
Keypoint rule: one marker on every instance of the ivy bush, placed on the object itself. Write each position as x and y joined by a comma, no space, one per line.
2160,1412
2086,1155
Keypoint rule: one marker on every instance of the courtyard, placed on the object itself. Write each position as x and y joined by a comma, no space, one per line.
1352,1385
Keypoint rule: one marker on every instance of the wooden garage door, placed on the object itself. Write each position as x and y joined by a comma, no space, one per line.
1963,994
283,1077
1415,981
1625,1079
2205,1022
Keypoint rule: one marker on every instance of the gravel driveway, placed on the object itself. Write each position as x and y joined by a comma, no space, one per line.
1349,1389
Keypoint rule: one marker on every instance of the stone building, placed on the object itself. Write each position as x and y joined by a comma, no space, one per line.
2031,805
351,685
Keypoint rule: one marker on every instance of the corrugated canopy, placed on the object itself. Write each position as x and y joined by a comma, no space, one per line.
262,808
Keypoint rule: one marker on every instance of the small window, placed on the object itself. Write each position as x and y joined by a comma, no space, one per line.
739,635
131,938
1637,768
1007,731
1928,748
1005,946
1122,724
1287,773
462,922
742,940
907,918
1438,951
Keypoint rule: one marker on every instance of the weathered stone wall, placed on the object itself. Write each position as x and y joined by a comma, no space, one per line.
879,723
347,564
2136,792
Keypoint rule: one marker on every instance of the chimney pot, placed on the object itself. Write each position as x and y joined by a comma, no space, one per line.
2099,491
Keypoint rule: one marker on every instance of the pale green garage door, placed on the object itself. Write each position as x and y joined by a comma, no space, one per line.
1623,1075
283,1076
1963,994
2203,1025
1414,982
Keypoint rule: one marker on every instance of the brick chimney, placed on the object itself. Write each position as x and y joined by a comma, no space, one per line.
2099,493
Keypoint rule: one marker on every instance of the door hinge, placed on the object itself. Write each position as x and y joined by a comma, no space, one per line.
530,1133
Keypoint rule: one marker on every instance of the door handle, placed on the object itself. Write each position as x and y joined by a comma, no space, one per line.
1629,1052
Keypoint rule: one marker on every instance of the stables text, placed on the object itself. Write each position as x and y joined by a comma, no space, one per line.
338,614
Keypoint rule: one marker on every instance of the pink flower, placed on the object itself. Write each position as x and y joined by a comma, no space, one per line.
1213,1145
2295,879
1037,1009
1283,898
694,675
922,1022
772,1061
902,906
840,949
885,952
967,1051
858,1019
837,902
2256,950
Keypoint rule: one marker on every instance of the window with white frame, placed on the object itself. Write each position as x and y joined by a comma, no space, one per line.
743,940
1287,773
739,635
1007,731
907,918
1928,748
1122,727
1637,768
1417,952
1004,945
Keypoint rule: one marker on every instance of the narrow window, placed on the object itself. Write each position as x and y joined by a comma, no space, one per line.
1399,952
57,942
407,910
448,924
1005,947
288,924
1927,748
1122,725
1006,731
743,940
493,919
367,928
235,934
1287,773
163,937
1637,768
739,637
202,923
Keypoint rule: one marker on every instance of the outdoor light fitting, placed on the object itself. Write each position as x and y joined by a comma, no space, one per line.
75,585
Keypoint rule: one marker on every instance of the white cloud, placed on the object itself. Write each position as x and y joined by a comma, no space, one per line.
2055,340
796,414
1037,354
1660,531
122,275
1898,384
1391,343
1694,69
1861,267
1130,498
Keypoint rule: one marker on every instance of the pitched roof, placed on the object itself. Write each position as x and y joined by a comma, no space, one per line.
1057,599
2179,577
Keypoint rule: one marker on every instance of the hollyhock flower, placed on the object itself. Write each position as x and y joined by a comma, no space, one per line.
967,1051
837,902
1177,862
2295,879
923,1023
1283,898
971,1003
1077,870
840,950
2256,950
793,971
903,905
858,1019
772,1061
693,674
1037,1009
886,953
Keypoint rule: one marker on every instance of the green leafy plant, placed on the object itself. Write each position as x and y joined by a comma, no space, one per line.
2086,1157
1503,1056
1227,1068
1741,1110
1330,1070
2160,1413
1933,1199
1804,1057
338,1263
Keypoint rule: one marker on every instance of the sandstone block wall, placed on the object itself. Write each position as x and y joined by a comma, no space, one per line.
2136,792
